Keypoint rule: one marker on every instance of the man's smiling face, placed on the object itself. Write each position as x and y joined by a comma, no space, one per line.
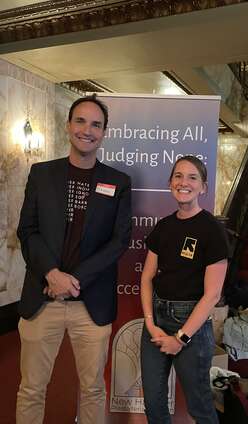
86,129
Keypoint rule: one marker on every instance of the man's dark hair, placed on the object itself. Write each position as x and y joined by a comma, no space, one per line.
93,99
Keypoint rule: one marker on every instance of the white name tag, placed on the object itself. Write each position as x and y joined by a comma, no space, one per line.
107,189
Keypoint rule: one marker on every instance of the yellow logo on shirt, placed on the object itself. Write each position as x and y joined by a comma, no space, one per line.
188,249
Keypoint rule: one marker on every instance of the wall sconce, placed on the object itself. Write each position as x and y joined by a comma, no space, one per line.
28,135
32,142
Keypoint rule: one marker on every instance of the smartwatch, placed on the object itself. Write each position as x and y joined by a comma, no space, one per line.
183,338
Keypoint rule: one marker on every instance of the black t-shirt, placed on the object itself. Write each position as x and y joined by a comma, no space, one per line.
185,247
78,193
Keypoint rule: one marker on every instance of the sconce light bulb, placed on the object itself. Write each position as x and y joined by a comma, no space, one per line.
27,129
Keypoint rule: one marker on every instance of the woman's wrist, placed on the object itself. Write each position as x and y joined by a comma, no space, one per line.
178,340
182,337
148,317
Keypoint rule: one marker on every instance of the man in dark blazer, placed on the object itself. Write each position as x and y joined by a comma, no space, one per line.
75,223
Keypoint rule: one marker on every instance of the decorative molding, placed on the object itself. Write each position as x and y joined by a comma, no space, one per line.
83,86
58,17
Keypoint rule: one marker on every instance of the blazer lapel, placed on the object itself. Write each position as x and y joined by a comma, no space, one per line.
59,185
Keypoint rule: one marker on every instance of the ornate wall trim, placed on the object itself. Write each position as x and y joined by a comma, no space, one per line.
59,17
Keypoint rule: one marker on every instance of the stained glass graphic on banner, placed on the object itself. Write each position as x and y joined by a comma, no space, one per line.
126,387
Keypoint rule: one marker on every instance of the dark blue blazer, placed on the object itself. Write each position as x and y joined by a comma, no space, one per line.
105,236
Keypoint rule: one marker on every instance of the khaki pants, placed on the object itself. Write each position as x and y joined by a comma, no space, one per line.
41,338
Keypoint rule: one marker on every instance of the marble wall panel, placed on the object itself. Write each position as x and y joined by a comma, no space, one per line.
39,83
16,167
15,277
26,101
14,267
3,235
64,97
61,139
50,124
3,168
64,100
21,92
3,270
4,67
3,114
11,262
15,196
3,210
26,77
231,150
16,72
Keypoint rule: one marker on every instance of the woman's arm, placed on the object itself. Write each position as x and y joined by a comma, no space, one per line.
149,271
213,283
158,336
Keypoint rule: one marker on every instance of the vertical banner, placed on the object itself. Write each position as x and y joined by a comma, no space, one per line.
144,138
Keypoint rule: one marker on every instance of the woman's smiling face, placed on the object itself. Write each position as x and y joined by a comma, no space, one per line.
186,183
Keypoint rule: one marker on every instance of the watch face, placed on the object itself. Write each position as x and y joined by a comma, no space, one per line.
185,339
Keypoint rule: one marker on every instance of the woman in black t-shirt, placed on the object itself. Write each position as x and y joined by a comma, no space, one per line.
181,283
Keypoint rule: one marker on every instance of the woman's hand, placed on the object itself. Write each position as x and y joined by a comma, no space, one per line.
154,330
168,344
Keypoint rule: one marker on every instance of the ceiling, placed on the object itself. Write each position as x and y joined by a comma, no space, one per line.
130,57
11,4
